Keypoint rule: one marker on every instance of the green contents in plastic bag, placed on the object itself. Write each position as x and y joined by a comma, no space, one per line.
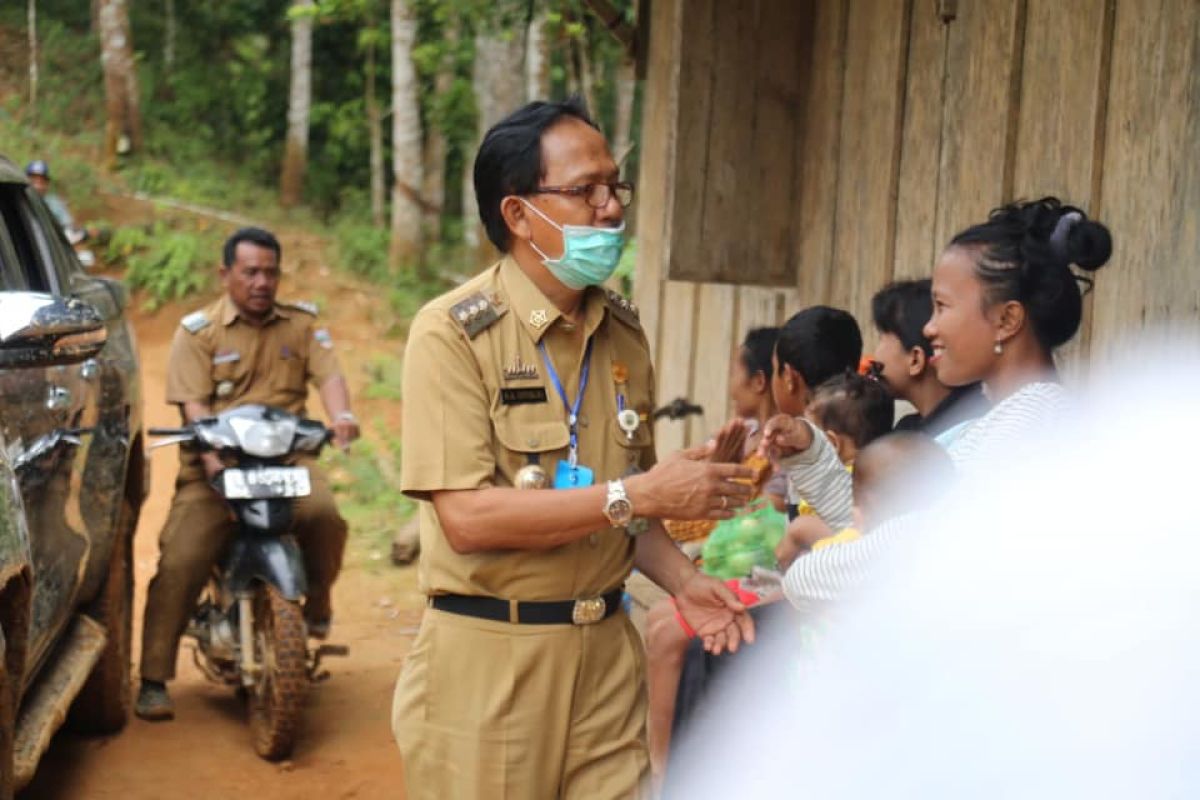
748,540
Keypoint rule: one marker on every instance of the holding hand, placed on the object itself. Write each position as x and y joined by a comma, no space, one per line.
345,430
687,486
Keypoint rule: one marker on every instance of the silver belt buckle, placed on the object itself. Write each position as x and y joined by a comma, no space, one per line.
588,611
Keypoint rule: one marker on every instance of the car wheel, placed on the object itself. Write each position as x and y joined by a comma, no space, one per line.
104,703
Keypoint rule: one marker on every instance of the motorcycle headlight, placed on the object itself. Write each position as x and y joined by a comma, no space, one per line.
264,439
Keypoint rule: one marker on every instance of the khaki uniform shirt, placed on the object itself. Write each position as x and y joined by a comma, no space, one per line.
220,359
479,405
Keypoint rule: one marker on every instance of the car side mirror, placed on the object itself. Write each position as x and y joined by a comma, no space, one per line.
41,330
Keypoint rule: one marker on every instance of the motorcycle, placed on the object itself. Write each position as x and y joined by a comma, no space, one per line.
248,627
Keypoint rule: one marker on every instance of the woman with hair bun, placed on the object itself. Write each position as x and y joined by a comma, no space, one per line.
1005,296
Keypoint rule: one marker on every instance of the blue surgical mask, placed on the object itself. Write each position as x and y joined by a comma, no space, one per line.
590,254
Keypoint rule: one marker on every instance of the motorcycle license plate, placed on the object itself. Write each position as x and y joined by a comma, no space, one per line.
266,482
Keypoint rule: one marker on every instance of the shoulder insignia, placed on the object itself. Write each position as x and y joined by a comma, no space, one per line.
195,322
307,306
477,313
623,309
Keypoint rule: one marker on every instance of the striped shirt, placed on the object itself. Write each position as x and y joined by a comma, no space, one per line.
823,575
818,477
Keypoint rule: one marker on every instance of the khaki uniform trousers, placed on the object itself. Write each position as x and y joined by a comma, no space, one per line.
496,710
197,531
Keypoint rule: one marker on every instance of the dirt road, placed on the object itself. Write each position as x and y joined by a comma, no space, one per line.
346,749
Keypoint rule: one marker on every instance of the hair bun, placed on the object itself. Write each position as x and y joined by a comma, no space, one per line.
1089,245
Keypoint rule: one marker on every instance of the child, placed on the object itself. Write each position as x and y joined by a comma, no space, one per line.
896,475
904,356
847,413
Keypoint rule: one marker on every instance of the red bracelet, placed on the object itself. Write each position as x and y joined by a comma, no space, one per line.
688,630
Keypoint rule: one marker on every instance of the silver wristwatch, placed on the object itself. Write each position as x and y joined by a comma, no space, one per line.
617,507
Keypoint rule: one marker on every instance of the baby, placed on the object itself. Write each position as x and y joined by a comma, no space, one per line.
847,413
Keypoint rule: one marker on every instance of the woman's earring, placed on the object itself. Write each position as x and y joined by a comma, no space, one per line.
998,349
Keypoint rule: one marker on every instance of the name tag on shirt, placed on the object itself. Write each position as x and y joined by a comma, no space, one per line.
226,358
523,395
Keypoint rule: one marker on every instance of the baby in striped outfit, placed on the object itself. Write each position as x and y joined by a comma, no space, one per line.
817,453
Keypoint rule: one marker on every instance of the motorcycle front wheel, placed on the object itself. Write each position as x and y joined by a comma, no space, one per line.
277,699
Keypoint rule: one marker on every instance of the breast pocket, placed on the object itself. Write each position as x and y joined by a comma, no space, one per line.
527,434
638,441
289,375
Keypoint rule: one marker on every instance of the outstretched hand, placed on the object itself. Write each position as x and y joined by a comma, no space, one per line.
687,486
715,614
784,435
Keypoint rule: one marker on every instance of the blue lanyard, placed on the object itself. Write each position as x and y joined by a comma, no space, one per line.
572,408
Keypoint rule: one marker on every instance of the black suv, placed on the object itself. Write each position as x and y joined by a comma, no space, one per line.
72,479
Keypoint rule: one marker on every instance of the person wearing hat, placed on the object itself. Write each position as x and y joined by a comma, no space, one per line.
246,347
527,439
38,173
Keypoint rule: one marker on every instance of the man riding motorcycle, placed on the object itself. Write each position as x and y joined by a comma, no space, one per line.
244,348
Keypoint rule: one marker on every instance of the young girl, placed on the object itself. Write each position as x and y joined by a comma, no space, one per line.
750,379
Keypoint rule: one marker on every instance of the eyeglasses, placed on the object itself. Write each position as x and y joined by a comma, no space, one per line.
596,195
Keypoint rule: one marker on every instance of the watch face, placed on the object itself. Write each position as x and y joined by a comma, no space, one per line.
620,511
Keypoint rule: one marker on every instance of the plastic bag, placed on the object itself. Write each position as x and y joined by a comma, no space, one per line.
736,546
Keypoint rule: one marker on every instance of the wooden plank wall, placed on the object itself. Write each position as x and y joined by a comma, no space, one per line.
845,141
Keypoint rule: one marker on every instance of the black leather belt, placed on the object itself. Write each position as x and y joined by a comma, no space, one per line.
525,612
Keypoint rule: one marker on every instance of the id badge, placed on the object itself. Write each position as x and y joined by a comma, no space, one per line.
576,477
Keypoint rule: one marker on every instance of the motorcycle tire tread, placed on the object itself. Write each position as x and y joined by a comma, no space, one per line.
275,709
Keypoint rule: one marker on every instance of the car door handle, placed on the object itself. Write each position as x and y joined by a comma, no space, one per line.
58,397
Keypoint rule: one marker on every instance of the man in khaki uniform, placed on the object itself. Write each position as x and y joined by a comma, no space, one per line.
244,348
527,435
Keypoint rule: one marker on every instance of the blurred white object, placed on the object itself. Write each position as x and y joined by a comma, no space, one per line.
1040,639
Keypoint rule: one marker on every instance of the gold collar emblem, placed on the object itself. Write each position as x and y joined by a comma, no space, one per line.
538,318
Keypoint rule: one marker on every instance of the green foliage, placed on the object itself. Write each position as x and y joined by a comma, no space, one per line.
215,117
384,374
361,248
167,263
366,481
626,267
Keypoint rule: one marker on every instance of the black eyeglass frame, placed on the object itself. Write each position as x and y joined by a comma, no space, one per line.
587,190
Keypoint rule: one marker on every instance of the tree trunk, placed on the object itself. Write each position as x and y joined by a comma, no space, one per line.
375,138
295,152
537,59
498,76
33,58
169,37
433,189
123,128
406,138
626,91
587,79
